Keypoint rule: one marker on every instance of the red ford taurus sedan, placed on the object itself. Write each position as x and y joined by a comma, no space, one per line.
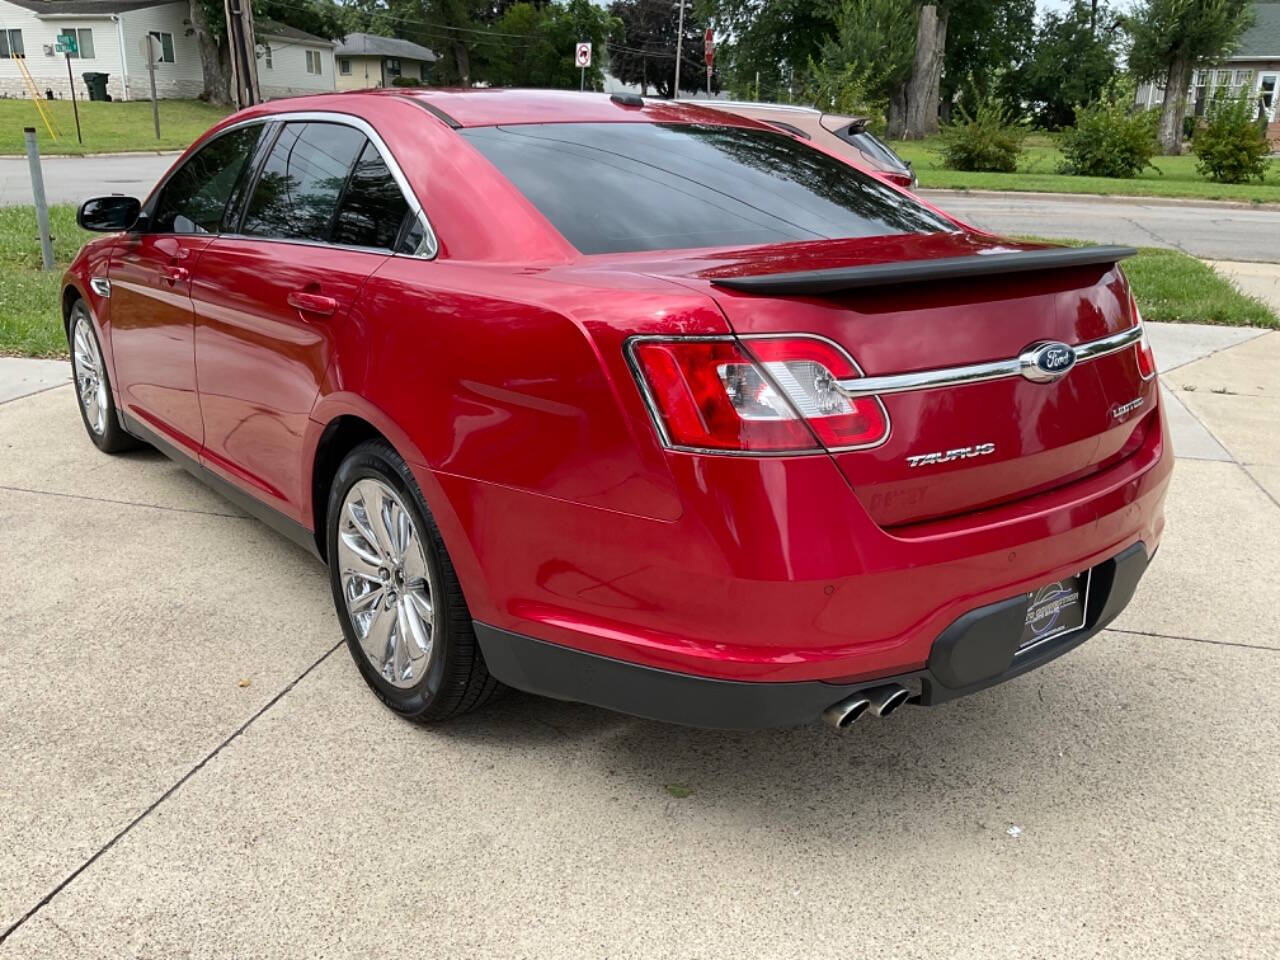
631,403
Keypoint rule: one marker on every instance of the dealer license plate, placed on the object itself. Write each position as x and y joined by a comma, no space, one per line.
1054,610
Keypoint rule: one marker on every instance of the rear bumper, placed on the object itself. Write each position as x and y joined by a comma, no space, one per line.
976,651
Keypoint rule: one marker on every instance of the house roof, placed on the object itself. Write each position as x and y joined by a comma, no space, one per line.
98,8
1262,40
263,27
370,44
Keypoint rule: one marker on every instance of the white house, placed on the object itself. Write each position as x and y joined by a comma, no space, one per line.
292,62
1253,68
109,36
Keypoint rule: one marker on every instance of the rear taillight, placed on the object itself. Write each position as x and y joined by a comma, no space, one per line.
1146,359
760,395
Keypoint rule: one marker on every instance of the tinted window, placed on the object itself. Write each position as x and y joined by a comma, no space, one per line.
613,187
373,206
195,197
872,146
297,194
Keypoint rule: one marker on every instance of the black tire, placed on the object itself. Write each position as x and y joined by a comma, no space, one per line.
109,437
455,680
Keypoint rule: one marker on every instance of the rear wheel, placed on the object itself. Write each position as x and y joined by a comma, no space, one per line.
396,592
93,388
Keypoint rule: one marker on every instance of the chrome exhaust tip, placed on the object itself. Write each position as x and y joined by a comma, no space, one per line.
841,715
886,699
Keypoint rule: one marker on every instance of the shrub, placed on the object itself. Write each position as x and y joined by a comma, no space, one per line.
1231,147
1109,140
408,82
982,142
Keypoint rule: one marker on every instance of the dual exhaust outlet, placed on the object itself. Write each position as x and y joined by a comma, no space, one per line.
880,701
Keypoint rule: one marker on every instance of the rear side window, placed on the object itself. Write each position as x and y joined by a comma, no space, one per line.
195,197
617,187
296,197
373,206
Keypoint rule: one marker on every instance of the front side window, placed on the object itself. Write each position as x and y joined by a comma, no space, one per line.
373,207
617,187
166,46
302,179
11,44
195,198
266,56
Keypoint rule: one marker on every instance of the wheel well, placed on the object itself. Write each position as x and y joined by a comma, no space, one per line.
69,296
340,437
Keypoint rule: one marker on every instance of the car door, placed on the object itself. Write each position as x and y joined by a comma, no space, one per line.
324,213
152,324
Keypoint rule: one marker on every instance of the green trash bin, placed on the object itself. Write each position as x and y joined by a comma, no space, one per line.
97,85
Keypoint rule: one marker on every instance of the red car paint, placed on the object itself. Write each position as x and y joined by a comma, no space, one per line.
498,370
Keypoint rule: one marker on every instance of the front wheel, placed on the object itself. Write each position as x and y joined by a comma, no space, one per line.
397,594
93,388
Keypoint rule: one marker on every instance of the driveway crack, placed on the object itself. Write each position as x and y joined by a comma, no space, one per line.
166,795
1174,636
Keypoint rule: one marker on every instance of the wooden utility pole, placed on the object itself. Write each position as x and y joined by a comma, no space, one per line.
244,59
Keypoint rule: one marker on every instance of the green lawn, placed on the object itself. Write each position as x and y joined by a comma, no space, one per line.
30,322
106,127
1170,286
1038,166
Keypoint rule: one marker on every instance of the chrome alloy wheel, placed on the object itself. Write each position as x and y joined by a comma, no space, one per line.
91,386
386,582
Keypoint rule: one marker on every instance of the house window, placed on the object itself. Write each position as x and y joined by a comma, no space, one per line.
166,46
393,67
266,56
313,62
344,66
83,37
11,44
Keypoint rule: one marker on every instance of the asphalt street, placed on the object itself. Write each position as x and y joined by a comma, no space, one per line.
190,765
1213,231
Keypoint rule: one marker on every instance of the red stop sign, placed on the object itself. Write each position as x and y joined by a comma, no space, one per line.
709,46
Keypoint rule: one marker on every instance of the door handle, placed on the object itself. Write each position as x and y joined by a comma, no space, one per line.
316,303
175,274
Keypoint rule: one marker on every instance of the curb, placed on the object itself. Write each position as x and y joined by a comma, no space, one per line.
1265,207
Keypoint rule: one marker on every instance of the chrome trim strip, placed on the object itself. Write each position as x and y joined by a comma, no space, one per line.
431,244
977,372
101,286
655,415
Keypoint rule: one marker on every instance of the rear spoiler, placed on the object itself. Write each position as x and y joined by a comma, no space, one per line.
835,279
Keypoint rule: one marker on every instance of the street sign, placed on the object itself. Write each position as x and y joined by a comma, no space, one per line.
67,44
151,49
709,47
582,55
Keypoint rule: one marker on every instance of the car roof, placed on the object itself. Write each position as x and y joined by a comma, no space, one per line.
483,107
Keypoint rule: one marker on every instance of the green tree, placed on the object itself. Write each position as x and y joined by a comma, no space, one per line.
1073,62
988,48
645,49
1170,39
868,59
533,46
774,40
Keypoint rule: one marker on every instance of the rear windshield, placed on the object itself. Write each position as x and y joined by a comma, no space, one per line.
618,187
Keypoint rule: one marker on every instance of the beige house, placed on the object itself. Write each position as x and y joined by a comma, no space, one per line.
365,60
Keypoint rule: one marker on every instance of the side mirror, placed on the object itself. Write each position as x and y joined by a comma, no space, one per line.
108,214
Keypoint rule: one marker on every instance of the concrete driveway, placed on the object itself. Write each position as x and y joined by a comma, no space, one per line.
190,766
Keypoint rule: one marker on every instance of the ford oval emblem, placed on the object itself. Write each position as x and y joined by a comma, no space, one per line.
1047,361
